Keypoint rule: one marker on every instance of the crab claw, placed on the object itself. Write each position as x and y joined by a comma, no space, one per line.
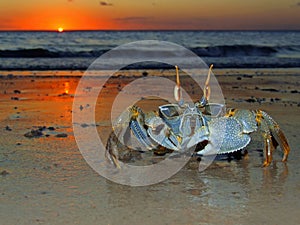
227,136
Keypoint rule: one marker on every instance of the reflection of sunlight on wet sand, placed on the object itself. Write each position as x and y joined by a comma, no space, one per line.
39,102
67,87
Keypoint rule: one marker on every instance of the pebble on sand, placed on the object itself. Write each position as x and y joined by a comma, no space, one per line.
8,128
51,128
61,135
34,133
15,98
4,173
17,91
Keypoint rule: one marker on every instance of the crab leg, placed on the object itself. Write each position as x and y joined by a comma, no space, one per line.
273,136
268,149
131,137
136,124
140,133
111,152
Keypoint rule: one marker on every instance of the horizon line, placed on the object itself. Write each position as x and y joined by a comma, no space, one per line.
141,30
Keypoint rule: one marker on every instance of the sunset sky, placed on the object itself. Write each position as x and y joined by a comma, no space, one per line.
152,14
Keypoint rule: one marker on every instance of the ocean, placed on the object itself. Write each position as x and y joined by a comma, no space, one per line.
76,50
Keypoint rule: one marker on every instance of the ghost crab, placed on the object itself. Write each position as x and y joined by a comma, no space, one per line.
181,126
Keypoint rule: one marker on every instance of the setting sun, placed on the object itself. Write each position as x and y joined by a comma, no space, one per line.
60,29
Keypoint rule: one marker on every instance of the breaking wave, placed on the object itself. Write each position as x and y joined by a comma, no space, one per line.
210,51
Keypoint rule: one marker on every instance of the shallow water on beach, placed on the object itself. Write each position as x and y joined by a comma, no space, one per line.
47,181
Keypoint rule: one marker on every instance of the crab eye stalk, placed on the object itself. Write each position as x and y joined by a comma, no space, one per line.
177,89
206,92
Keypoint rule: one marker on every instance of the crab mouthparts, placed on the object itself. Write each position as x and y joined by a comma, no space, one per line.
190,125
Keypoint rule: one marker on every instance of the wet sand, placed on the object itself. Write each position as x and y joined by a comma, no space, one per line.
45,180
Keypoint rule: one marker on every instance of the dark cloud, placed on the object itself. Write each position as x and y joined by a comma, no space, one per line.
157,23
135,20
298,4
102,3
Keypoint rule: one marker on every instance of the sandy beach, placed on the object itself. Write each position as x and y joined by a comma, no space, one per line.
45,179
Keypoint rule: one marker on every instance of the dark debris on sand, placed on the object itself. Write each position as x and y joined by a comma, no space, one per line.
39,132
17,91
4,173
34,133
61,135
15,98
7,128
270,89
